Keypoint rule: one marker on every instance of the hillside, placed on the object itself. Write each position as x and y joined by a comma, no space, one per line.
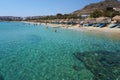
10,18
98,6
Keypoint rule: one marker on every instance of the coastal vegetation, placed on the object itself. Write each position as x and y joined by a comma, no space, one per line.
52,17
108,12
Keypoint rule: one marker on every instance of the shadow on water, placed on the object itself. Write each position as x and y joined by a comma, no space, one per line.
103,64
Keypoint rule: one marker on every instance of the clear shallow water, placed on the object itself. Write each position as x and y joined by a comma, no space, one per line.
29,52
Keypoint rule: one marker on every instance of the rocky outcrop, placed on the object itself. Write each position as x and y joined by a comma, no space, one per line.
1,77
103,64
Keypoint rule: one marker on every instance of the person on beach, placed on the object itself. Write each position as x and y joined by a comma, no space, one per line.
46,22
81,23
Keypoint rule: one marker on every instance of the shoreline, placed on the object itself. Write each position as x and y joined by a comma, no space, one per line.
113,33
105,31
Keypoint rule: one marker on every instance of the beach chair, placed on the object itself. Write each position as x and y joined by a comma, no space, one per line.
118,25
112,25
85,25
97,25
103,25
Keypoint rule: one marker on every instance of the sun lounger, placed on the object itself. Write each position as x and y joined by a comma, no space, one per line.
85,24
112,25
118,25
103,25
88,24
97,25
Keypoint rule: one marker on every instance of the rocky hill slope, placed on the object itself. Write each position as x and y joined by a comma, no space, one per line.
98,6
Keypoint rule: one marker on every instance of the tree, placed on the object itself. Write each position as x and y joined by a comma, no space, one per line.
109,12
96,14
59,14
109,9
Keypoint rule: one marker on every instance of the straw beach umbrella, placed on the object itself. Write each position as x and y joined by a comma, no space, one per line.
90,20
62,21
78,21
66,20
116,18
103,20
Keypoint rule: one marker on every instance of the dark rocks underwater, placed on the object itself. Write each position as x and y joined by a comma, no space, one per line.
104,65
1,77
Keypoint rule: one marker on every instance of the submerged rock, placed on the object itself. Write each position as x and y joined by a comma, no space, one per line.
1,77
103,64
76,68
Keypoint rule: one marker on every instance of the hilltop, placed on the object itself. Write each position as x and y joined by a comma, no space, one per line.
98,6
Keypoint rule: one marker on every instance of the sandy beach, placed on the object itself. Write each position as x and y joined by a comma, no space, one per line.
105,31
113,33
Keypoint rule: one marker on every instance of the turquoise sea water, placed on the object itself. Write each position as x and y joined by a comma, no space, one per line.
29,52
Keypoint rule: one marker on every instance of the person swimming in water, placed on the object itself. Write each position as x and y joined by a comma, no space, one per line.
55,30
47,27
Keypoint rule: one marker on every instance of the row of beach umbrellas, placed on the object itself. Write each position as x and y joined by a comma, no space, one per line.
87,20
98,20
102,19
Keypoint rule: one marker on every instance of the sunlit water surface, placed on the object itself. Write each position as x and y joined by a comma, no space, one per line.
29,52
